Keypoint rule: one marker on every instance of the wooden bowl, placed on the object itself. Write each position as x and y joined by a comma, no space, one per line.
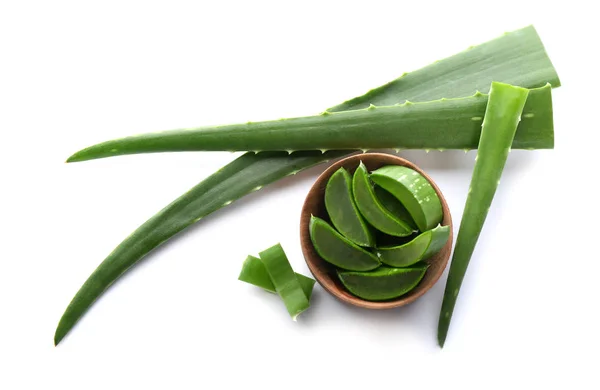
325,273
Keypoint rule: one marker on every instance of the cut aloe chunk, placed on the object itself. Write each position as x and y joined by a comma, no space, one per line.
338,250
371,208
413,191
254,272
284,279
382,284
342,210
394,206
422,247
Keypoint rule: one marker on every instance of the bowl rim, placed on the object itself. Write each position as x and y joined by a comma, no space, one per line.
317,265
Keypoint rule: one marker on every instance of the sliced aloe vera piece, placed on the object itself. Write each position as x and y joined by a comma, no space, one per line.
284,279
382,284
254,272
338,250
499,125
394,206
385,240
342,210
422,247
413,191
371,208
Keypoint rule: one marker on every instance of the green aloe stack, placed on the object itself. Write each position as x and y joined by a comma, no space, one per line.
393,203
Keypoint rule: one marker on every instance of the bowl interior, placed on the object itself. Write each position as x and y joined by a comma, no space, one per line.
325,273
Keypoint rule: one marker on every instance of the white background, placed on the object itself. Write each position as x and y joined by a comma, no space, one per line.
76,73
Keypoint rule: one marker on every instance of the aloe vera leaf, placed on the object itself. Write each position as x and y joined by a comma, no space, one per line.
254,171
254,272
394,206
414,191
244,175
382,284
372,209
517,57
284,279
499,125
438,124
421,247
343,212
338,250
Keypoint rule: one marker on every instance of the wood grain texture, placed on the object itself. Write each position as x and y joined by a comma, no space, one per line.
324,272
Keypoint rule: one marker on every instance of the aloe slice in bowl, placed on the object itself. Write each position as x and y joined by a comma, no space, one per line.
382,284
342,210
371,208
338,250
420,248
414,191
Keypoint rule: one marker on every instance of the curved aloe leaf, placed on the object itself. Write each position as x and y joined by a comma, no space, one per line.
250,171
499,126
244,175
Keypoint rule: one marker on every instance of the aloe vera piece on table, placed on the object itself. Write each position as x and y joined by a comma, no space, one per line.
338,250
284,279
499,125
343,211
372,209
439,124
450,77
382,284
254,272
420,248
414,191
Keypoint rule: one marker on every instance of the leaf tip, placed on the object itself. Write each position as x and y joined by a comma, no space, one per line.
73,158
58,336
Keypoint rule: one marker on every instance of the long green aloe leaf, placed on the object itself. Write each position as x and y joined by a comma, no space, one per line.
438,124
246,174
249,172
499,126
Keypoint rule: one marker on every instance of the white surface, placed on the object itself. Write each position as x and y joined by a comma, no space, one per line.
73,74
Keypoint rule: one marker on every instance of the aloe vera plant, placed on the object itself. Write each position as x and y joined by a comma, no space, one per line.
517,57
499,125
438,124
